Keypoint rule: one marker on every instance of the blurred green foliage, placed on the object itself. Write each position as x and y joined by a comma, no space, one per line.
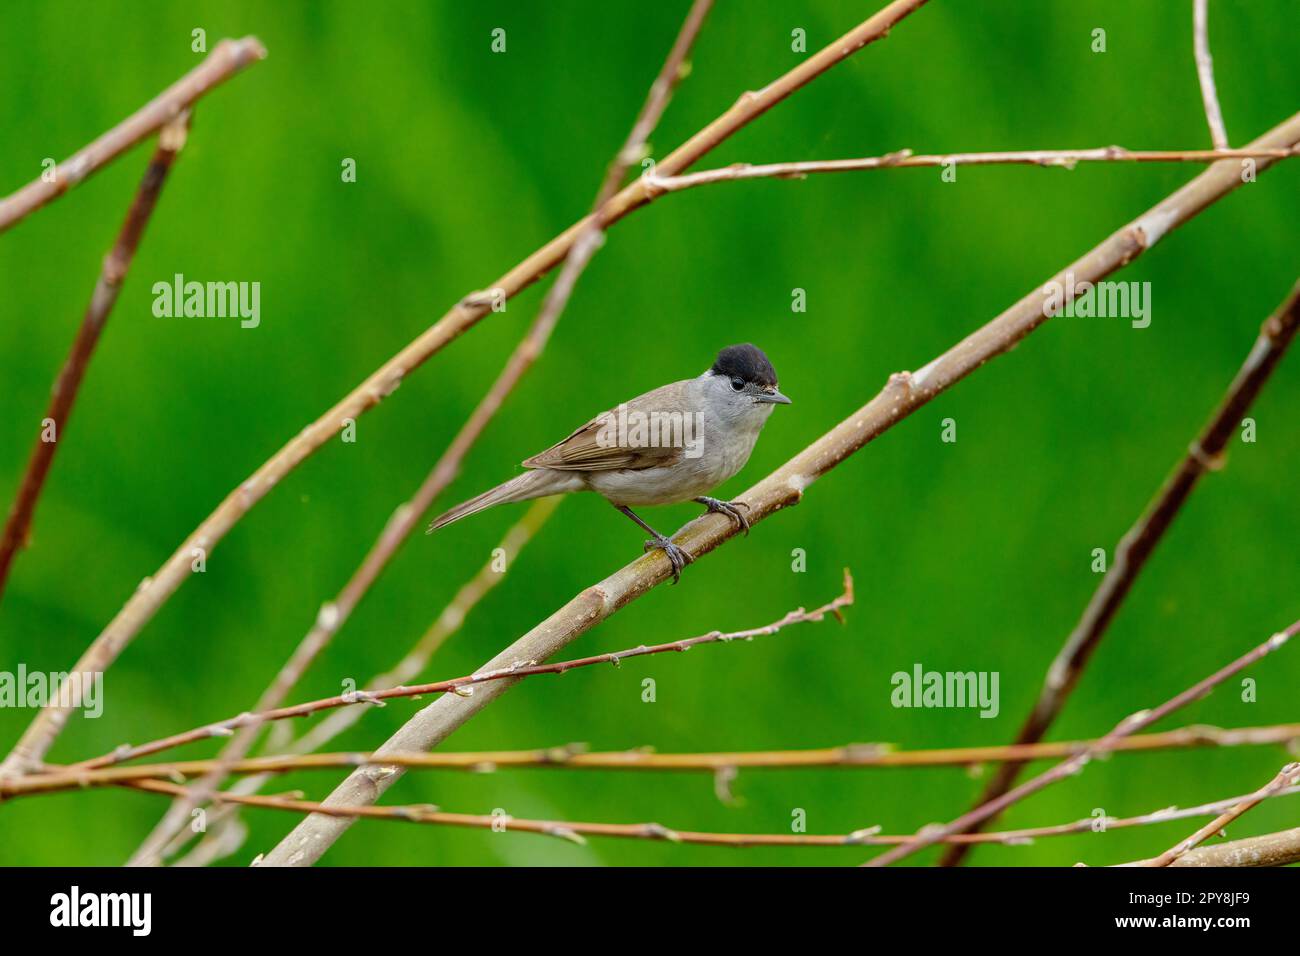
969,556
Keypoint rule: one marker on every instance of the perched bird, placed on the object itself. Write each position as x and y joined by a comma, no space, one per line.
669,445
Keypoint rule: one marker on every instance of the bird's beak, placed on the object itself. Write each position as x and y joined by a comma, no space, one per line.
774,397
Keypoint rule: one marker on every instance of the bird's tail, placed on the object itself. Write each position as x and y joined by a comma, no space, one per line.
531,484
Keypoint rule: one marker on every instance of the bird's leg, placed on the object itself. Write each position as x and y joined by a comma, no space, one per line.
676,555
729,508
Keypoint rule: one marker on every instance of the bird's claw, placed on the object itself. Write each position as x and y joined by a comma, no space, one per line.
676,556
729,508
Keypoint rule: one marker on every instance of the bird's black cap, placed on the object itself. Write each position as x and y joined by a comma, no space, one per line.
746,362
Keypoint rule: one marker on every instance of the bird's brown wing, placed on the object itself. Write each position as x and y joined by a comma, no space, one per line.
594,446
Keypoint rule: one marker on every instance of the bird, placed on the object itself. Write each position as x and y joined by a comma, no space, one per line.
672,444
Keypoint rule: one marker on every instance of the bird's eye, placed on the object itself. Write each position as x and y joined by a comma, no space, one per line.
737,384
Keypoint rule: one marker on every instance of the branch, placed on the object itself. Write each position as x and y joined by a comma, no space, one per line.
300,754
906,159
226,59
1066,768
404,520
1285,780
574,756
1205,74
463,686
902,395
576,831
155,590
113,273
1139,542
1271,849
55,779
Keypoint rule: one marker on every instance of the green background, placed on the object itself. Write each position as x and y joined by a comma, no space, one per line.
968,556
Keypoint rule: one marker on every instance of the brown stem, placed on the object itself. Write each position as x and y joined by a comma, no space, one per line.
64,393
55,778
1140,541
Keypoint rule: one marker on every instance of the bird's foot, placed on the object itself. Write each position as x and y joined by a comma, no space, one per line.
729,508
677,556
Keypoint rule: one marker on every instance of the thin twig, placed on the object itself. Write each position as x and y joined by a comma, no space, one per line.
906,159
64,393
656,101
1074,765
575,831
902,395
464,686
1205,74
405,519
576,757
154,591
1205,453
302,753
1284,781
55,779
226,59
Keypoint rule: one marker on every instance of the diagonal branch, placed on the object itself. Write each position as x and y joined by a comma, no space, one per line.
902,395
226,59
1139,542
1067,768
155,590
116,265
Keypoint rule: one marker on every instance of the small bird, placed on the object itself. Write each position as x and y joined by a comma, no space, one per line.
669,445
